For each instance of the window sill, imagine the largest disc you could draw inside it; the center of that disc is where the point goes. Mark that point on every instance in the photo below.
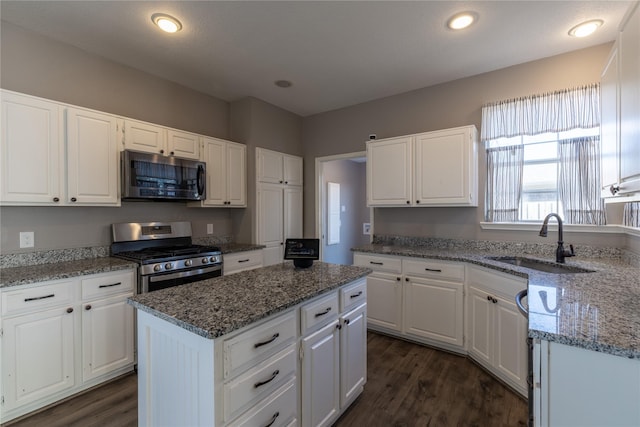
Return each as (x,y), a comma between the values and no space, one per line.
(572,228)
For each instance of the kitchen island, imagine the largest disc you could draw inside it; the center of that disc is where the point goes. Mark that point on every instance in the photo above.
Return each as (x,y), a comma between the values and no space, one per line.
(276,344)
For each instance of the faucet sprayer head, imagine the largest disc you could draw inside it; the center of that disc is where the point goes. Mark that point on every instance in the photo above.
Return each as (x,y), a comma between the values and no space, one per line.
(543,230)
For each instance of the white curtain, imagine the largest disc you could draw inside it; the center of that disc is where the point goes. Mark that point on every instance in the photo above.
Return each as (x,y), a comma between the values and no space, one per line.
(631,215)
(504,183)
(579,181)
(553,112)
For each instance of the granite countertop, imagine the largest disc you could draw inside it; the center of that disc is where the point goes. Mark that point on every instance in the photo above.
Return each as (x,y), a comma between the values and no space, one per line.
(215,307)
(597,311)
(15,276)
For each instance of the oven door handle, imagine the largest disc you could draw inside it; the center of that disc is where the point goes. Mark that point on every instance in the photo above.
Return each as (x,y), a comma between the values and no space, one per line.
(193,272)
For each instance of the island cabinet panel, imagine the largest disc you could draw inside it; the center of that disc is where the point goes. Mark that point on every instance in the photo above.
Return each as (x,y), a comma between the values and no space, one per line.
(300,367)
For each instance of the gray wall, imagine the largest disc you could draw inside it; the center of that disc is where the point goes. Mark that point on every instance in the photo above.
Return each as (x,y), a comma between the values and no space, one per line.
(352,179)
(259,124)
(447,105)
(43,67)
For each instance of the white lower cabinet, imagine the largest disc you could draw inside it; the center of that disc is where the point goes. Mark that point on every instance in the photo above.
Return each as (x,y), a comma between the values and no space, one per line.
(576,387)
(496,330)
(54,344)
(353,354)
(241,261)
(321,376)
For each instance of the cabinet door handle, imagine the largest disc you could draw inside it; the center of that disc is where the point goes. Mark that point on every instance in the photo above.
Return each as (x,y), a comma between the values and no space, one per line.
(408,202)
(39,298)
(435,270)
(109,286)
(338,326)
(73,199)
(488,297)
(406,279)
(614,189)
(269,341)
(56,199)
(161,151)
(69,310)
(493,300)
(356,295)
(418,201)
(243,260)
(172,153)
(322,313)
(87,307)
(398,279)
(273,377)
(273,419)
(376,263)
(347,321)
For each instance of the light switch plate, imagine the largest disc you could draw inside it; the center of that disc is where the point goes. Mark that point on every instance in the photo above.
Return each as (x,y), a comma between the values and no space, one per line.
(26,239)
(366,228)
(209,228)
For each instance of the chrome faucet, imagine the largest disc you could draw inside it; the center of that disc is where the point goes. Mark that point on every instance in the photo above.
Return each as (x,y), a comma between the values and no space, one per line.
(561,253)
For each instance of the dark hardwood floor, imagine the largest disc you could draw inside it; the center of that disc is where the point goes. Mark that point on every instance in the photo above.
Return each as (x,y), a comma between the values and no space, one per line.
(408,385)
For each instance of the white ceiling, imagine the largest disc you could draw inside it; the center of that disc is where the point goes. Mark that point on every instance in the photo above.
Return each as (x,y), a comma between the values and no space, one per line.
(336,53)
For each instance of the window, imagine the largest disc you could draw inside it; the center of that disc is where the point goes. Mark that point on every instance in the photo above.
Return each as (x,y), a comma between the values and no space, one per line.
(540,171)
(543,156)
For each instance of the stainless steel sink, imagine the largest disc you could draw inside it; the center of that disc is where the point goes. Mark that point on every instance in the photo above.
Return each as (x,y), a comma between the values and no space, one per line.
(538,265)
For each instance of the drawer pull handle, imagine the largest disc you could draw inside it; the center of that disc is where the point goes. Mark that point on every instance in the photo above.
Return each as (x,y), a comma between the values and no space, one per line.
(356,295)
(109,286)
(243,260)
(322,313)
(435,270)
(269,341)
(376,263)
(273,377)
(273,419)
(39,298)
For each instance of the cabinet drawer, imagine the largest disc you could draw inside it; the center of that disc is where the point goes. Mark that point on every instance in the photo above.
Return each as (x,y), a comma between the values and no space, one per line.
(36,298)
(259,381)
(353,294)
(433,269)
(279,409)
(107,284)
(318,312)
(380,263)
(234,263)
(251,346)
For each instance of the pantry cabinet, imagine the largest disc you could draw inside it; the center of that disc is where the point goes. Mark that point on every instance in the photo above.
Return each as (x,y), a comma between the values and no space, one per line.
(428,169)
(58,155)
(620,105)
(279,202)
(278,168)
(226,173)
(496,330)
(61,337)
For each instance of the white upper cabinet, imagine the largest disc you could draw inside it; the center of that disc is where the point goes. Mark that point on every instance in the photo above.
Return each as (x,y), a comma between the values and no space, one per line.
(32,150)
(183,144)
(44,165)
(446,167)
(151,138)
(389,172)
(620,127)
(92,158)
(278,168)
(429,169)
(226,173)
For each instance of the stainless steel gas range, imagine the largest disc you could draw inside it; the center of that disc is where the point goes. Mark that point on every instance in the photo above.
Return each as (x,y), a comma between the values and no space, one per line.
(165,254)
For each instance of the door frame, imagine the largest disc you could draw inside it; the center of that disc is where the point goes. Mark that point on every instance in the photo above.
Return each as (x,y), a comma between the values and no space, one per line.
(321,194)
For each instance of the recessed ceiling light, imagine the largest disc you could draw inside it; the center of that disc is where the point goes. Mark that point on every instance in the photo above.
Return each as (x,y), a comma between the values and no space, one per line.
(283,83)
(462,20)
(166,22)
(586,28)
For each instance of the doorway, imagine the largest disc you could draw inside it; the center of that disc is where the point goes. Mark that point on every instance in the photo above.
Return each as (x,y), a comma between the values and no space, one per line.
(343,220)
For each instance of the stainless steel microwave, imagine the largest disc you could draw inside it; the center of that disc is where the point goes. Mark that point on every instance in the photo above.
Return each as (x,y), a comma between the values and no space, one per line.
(157,177)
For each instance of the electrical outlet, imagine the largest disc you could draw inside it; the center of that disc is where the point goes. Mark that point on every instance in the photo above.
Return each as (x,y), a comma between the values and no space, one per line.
(209,228)
(26,239)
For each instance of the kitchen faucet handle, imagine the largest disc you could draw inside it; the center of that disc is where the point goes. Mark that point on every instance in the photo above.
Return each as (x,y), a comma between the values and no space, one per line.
(571,250)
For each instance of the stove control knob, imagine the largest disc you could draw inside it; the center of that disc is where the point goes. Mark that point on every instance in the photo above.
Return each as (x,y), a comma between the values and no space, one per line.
(188,263)
(205,260)
(157,267)
(213,259)
(168,266)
